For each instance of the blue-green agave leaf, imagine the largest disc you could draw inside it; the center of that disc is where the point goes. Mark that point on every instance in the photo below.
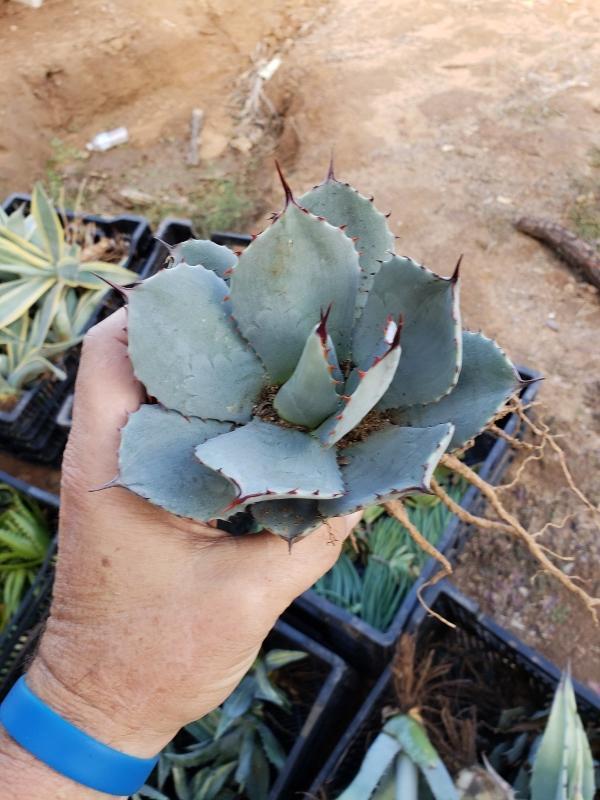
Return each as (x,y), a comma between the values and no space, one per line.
(290,519)
(414,741)
(376,763)
(264,461)
(563,766)
(216,257)
(392,462)
(311,394)
(184,347)
(368,388)
(342,205)
(487,379)
(156,461)
(431,333)
(291,271)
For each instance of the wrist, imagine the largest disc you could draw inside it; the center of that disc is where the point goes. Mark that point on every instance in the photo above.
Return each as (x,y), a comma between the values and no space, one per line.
(115,713)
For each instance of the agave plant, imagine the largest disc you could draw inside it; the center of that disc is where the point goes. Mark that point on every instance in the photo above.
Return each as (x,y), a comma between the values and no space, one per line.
(26,354)
(312,376)
(24,540)
(38,266)
(233,750)
(392,767)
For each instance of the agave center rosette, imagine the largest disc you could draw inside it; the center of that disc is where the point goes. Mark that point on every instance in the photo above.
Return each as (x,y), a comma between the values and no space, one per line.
(310,377)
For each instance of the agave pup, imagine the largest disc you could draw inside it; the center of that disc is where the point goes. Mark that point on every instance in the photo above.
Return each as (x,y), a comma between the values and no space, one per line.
(312,376)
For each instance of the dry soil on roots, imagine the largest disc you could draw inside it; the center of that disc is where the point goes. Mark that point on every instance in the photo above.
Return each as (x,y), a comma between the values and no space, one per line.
(459,115)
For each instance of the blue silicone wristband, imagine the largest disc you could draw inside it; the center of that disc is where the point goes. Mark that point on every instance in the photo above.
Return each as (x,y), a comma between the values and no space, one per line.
(69,751)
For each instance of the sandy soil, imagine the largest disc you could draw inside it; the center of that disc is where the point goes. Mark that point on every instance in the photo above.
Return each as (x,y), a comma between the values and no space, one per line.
(457,114)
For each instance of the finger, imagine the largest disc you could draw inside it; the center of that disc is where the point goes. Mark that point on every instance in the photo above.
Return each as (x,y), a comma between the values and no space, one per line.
(106,392)
(306,561)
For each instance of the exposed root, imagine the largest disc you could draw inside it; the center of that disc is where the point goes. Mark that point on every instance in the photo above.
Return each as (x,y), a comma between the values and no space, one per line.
(543,431)
(512,440)
(529,540)
(396,509)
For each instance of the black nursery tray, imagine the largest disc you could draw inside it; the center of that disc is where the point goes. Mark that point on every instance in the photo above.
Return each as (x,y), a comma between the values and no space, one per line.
(318,687)
(19,637)
(29,429)
(495,655)
(365,647)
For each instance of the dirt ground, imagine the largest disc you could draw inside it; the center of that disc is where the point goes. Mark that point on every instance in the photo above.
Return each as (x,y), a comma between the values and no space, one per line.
(458,115)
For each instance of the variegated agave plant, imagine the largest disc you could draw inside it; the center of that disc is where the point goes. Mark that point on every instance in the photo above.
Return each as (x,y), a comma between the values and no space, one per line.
(328,375)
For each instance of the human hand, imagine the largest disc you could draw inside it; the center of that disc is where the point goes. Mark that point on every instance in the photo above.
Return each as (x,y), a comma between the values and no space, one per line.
(155,618)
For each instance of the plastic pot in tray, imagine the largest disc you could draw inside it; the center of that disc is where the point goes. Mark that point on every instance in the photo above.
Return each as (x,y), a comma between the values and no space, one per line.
(364,646)
(499,659)
(172,231)
(20,635)
(28,430)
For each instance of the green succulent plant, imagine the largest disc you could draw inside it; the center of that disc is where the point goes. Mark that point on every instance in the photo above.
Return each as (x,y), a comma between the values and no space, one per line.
(24,540)
(373,582)
(25,355)
(38,266)
(312,376)
(400,756)
(234,750)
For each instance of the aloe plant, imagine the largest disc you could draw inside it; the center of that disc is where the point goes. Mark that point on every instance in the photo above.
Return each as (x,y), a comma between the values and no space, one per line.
(24,540)
(38,265)
(372,579)
(281,381)
(235,750)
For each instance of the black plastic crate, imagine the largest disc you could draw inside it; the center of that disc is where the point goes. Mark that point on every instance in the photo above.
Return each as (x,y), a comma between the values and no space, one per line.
(173,231)
(496,652)
(29,429)
(21,634)
(323,717)
(365,647)
(319,687)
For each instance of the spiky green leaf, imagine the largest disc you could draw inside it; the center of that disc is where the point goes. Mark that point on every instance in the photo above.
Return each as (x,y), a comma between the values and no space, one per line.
(370,386)
(185,349)
(216,257)
(293,270)
(290,519)
(431,333)
(392,462)
(265,461)
(310,394)
(341,204)
(156,461)
(487,379)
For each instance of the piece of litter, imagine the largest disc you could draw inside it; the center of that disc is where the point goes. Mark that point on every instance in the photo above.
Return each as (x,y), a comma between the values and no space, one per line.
(195,130)
(550,323)
(447,148)
(269,69)
(107,139)
(31,3)
(505,201)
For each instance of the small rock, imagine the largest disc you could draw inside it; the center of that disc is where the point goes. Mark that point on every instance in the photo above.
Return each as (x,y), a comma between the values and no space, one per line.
(516,623)
(554,326)
(447,148)
(504,201)
(130,197)
(242,144)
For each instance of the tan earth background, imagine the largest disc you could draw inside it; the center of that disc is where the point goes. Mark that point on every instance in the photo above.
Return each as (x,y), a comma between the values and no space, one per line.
(457,115)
